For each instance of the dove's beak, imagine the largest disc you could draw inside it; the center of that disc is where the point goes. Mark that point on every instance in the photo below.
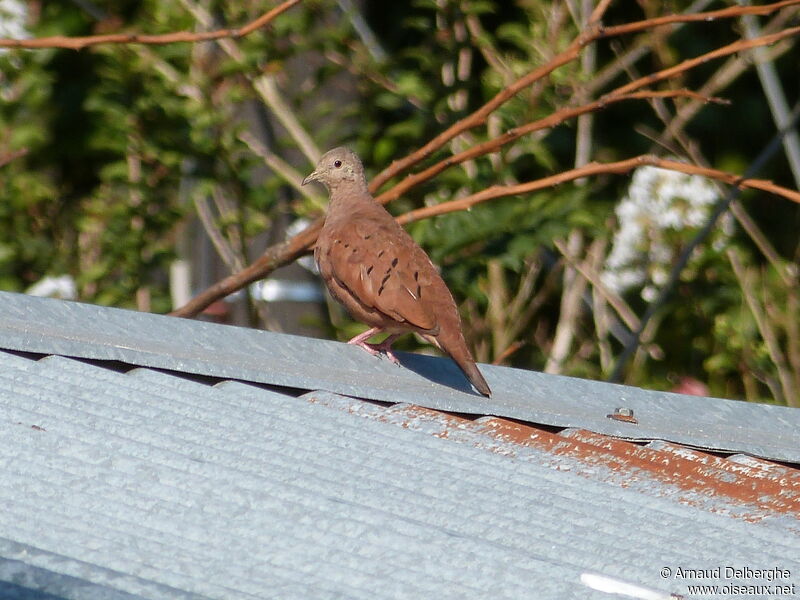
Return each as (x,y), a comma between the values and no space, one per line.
(313,176)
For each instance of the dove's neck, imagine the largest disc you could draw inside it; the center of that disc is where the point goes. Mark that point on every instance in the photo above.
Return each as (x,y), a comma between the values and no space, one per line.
(347,197)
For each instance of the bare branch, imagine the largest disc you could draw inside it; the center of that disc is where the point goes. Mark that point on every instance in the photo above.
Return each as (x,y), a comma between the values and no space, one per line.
(282,168)
(590,170)
(599,11)
(287,251)
(613,299)
(223,247)
(762,243)
(765,328)
(78,43)
(553,120)
(291,249)
(265,87)
(592,33)
(738,46)
(725,13)
(274,257)
(570,309)
(479,117)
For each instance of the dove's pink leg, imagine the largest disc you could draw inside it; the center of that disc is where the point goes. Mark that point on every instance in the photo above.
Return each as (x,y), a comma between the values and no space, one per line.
(385,346)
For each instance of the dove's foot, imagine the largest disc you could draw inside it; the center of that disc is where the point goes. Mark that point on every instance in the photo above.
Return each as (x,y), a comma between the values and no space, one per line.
(385,347)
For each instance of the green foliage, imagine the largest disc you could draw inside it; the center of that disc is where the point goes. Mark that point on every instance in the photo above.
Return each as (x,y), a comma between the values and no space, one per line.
(122,140)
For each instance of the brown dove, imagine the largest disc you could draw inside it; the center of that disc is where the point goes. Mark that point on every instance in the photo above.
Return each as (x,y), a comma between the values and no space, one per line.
(379,273)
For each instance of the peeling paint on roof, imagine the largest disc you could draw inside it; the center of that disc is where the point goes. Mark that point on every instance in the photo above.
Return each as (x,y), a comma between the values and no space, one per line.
(741,487)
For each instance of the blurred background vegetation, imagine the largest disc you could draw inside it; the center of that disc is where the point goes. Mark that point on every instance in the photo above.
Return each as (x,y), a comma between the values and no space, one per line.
(153,171)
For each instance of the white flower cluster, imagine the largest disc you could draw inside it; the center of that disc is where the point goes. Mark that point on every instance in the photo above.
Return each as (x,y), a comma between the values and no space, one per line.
(660,203)
(62,286)
(13,15)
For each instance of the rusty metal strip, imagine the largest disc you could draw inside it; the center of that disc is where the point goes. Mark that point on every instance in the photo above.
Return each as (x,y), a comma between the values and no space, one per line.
(680,469)
(698,474)
(747,466)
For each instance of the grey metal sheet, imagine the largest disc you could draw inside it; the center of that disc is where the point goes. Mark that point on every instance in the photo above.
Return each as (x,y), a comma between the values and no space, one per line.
(233,491)
(608,462)
(20,580)
(79,330)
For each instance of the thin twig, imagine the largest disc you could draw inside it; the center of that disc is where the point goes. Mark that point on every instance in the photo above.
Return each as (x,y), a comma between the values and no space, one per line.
(496,314)
(733,48)
(287,251)
(224,248)
(478,117)
(570,309)
(592,33)
(764,156)
(762,242)
(552,120)
(725,13)
(522,300)
(490,54)
(585,126)
(267,88)
(765,329)
(78,43)
(346,62)
(274,257)
(264,86)
(641,47)
(731,70)
(505,354)
(613,299)
(600,312)
(282,168)
(775,95)
(590,170)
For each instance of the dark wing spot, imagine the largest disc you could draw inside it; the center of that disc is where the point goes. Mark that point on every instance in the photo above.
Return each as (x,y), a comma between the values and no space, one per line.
(394,262)
(419,292)
(347,245)
(366,237)
(369,269)
(416,275)
(381,253)
(383,284)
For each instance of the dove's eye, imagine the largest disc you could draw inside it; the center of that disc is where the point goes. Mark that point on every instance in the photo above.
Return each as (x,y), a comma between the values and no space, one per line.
(337,163)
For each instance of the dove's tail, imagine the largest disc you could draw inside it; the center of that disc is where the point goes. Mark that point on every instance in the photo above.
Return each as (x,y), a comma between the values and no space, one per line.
(474,375)
(454,344)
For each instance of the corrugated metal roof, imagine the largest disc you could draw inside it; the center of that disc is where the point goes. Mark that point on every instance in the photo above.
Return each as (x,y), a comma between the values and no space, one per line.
(21,580)
(231,491)
(79,330)
(123,482)
(739,486)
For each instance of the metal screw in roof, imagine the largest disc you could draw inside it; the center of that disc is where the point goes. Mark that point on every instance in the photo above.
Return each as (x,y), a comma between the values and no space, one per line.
(623,413)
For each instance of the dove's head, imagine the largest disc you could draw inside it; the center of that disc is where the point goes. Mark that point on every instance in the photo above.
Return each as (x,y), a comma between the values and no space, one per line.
(337,167)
